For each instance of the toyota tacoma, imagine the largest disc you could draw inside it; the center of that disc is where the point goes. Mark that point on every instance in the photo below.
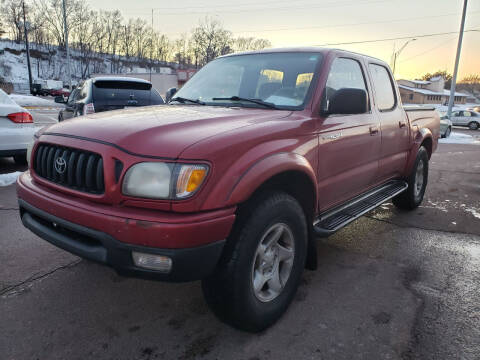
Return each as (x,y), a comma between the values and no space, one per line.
(257,156)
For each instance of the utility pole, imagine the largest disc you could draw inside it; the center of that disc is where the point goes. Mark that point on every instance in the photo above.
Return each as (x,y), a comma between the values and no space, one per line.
(457,60)
(25,26)
(69,75)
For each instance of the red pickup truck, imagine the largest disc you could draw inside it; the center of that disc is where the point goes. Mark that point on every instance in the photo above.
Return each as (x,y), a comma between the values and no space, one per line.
(254,158)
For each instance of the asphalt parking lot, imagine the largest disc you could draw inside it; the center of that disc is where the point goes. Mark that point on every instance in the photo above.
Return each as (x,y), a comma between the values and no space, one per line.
(392,285)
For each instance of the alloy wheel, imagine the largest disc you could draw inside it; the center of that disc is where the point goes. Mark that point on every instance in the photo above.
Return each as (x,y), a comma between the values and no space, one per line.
(273,262)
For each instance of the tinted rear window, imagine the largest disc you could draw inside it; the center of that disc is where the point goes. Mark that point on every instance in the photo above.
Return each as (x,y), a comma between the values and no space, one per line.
(115,84)
(125,93)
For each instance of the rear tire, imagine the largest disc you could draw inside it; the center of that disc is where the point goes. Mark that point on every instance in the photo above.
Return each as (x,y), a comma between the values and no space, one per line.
(258,276)
(473,125)
(20,159)
(417,183)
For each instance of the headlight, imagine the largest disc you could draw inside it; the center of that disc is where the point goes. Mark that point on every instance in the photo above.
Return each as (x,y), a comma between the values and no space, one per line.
(157,180)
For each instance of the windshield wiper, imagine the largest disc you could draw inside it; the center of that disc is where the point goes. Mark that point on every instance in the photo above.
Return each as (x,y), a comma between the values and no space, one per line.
(183,100)
(255,101)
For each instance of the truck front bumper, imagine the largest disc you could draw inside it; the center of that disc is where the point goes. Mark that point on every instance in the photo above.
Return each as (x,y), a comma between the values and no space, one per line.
(91,235)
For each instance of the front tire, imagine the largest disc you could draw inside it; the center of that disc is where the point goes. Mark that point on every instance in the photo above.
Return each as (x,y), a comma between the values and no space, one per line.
(262,264)
(417,183)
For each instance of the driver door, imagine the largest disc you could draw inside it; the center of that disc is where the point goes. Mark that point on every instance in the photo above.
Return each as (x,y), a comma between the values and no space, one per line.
(69,107)
(349,145)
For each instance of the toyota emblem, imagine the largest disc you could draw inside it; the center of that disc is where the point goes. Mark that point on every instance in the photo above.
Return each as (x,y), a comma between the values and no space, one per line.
(60,165)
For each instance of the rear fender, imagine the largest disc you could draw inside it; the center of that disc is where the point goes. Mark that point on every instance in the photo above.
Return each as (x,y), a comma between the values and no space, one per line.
(419,138)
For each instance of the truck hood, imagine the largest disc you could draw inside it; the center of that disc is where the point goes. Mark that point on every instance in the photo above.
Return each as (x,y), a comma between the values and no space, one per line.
(164,130)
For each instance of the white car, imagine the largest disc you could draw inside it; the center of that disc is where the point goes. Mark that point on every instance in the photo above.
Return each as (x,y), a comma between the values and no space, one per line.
(16,129)
(466,118)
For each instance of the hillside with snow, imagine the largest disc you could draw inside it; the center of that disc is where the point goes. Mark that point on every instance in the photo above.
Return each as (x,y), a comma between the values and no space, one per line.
(49,62)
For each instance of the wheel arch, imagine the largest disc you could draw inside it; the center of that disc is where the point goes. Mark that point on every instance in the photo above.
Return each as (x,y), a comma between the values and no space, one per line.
(278,173)
(423,138)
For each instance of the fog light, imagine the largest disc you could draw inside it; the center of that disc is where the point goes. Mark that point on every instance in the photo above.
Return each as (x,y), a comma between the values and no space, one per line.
(153,262)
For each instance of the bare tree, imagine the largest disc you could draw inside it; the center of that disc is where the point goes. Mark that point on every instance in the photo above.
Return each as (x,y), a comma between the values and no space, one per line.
(127,38)
(162,47)
(181,50)
(53,9)
(471,83)
(12,13)
(250,43)
(210,40)
(98,35)
(113,23)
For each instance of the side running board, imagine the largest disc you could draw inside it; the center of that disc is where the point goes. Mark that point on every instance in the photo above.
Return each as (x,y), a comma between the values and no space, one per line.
(335,219)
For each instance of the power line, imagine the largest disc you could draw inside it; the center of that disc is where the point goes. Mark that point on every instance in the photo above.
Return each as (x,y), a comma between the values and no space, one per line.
(289,8)
(353,24)
(397,38)
(235,5)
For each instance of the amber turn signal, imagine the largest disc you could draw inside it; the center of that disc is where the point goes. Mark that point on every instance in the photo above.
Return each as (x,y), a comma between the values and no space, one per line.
(189,179)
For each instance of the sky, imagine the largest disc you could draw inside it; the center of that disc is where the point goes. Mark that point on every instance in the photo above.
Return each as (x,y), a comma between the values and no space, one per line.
(330,22)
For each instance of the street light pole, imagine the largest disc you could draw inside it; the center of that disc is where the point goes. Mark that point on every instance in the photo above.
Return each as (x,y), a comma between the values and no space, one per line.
(397,54)
(151,48)
(69,75)
(25,26)
(457,60)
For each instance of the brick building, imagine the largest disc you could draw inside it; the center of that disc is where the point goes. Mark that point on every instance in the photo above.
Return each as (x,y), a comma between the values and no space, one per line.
(427,92)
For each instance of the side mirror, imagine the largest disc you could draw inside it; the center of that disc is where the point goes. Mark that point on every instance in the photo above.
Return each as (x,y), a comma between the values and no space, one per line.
(169,94)
(347,101)
(60,100)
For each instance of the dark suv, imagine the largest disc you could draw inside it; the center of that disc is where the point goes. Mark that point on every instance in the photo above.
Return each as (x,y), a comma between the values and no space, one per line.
(112,93)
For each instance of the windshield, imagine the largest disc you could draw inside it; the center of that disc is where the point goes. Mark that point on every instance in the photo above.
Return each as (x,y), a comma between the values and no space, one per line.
(281,79)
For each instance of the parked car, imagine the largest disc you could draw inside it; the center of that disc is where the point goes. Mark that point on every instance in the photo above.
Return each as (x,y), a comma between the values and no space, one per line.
(67,112)
(466,118)
(16,129)
(65,93)
(445,125)
(256,156)
(111,93)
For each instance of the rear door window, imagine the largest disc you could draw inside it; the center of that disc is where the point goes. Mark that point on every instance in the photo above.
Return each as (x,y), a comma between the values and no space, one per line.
(383,84)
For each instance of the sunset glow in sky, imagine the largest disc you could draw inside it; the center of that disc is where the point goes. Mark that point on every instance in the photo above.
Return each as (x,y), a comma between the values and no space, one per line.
(310,22)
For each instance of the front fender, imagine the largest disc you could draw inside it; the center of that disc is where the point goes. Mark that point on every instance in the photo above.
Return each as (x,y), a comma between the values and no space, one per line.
(261,171)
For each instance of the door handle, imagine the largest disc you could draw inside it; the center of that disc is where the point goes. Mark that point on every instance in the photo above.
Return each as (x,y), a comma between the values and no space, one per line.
(402,124)
(373,130)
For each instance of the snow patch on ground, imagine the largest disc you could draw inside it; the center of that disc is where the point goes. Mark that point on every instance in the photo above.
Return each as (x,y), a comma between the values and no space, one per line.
(10,178)
(459,138)
(28,100)
(474,212)
(445,205)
